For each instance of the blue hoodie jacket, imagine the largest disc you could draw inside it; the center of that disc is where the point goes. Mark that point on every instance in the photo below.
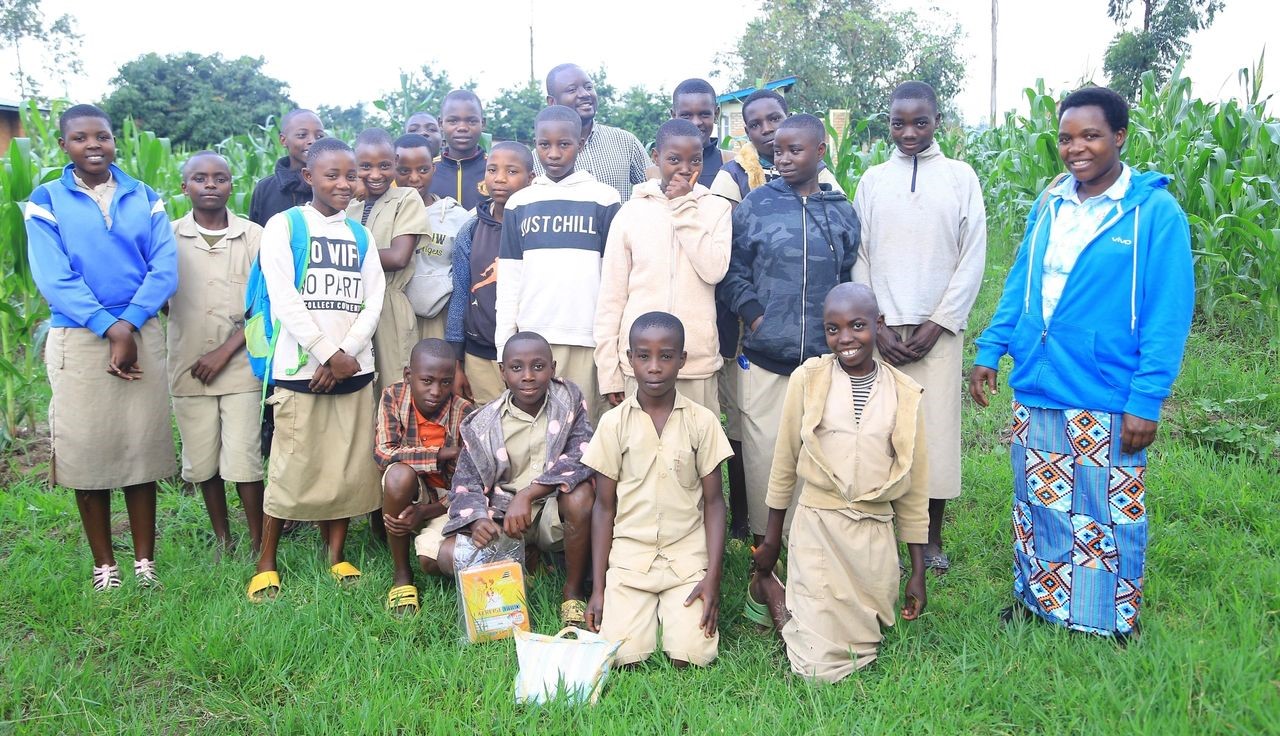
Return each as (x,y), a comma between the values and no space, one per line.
(93,275)
(1116,338)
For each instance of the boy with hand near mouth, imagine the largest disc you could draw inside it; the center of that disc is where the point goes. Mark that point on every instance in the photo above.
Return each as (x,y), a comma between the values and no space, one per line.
(461,163)
(216,397)
(285,187)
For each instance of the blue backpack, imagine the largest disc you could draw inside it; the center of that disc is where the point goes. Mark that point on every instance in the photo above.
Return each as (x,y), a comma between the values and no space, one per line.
(261,330)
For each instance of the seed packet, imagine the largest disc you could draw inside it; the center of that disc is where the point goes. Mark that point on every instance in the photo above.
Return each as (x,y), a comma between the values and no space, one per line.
(491,589)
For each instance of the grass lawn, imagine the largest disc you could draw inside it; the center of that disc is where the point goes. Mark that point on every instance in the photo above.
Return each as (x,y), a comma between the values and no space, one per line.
(196,657)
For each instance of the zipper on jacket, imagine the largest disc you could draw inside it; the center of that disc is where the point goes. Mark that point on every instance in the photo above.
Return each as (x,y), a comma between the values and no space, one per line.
(915,164)
(804,269)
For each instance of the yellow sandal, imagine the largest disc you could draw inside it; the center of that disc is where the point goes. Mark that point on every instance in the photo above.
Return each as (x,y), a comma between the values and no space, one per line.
(345,572)
(403,599)
(264,585)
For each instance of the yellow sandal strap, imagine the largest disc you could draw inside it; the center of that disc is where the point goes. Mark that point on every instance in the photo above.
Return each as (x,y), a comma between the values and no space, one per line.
(402,595)
(263,581)
(345,569)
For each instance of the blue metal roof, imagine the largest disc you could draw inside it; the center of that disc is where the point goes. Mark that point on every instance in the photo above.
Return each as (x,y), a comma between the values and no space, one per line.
(742,94)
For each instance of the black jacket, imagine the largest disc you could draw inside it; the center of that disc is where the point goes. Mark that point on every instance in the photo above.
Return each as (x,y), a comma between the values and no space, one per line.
(276,193)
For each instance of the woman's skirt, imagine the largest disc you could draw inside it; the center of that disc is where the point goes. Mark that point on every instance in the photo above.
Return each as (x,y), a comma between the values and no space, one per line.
(1079,519)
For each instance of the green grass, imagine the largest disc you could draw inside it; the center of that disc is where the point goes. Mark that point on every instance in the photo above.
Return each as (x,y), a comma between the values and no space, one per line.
(196,657)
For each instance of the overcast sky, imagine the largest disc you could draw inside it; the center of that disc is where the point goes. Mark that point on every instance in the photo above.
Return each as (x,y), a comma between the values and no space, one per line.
(328,54)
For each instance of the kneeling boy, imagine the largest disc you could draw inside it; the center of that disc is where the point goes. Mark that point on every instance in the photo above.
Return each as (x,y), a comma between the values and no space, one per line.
(417,446)
(521,473)
(659,520)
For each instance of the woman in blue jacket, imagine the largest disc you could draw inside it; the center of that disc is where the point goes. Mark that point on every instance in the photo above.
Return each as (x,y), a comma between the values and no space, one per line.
(1095,314)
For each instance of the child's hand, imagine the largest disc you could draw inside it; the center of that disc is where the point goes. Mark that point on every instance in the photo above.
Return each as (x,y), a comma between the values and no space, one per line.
(461,386)
(678,187)
(210,365)
(484,531)
(766,556)
(982,380)
(615,397)
(916,599)
(595,610)
(343,366)
(1136,433)
(448,454)
(407,521)
(519,515)
(323,381)
(894,350)
(709,591)
(123,360)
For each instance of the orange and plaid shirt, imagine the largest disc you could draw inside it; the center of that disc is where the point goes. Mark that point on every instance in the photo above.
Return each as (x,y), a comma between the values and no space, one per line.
(398,438)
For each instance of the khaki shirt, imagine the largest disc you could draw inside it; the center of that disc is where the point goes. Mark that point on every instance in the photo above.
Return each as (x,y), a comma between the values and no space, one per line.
(102,194)
(398,212)
(525,441)
(659,509)
(861,453)
(209,305)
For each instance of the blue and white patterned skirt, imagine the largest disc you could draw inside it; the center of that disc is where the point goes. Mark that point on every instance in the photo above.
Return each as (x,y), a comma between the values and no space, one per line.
(1079,519)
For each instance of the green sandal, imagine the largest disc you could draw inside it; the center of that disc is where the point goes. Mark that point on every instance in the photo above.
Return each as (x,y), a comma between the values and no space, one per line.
(755,611)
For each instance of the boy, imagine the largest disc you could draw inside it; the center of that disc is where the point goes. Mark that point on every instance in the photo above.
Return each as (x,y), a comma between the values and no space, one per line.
(612,155)
(285,188)
(432,282)
(695,100)
(425,125)
(102,254)
(793,240)
(461,163)
(853,430)
(521,473)
(472,317)
(924,252)
(321,466)
(216,397)
(552,242)
(398,221)
(668,248)
(416,447)
(657,538)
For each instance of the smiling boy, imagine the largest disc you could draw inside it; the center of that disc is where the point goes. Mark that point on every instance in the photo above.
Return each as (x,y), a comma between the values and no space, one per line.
(285,187)
(612,155)
(461,162)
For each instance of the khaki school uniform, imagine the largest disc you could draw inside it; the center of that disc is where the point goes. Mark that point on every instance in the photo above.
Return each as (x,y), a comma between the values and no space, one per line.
(485,377)
(219,422)
(701,391)
(659,551)
(525,442)
(398,212)
(578,364)
(860,477)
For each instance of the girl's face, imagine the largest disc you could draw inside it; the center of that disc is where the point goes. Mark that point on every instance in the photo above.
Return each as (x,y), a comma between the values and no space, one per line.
(1088,145)
(89,144)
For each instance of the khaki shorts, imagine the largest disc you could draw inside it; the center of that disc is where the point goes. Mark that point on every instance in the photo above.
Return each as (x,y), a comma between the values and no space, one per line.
(761,394)
(431,327)
(578,364)
(221,435)
(637,603)
(430,537)
(728,380)
(485,378)
(702,391)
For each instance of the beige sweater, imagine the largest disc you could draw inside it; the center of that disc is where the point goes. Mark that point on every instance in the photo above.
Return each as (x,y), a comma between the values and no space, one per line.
(663,255)
(895,484)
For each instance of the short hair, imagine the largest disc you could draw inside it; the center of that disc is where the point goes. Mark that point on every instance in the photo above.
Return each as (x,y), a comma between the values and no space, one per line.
(75,112)
(677,128)
(374,137)
(461,95)
(203,154)
(559,114)
(661,320)
(297,112)
(432,347)
(1114,106)
(808,123)
(519,149)
(915,90)
(854,292)
(555,71)
(764,94)
(326,145)
(416,140)
(692,87)
(525,336)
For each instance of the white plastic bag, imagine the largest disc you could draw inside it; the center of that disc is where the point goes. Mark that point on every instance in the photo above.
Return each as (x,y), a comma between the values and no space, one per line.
(557,667)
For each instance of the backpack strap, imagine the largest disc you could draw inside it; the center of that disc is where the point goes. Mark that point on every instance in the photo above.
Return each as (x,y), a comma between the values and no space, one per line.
(361,235)
(300,245)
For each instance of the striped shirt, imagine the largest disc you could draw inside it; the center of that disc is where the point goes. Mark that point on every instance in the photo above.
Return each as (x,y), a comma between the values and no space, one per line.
(612,155)
(861,387)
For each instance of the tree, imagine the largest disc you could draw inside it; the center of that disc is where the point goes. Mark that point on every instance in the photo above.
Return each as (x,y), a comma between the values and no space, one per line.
(510,115)
(195,100)
(23,20)
(352,119)
(419,91)
(846,53)
(639,111)
(1159,45)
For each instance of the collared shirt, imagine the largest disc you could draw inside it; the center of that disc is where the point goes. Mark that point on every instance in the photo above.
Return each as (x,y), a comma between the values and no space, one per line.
(659,496)
(612,155)
(396,436)
(1074,226)
(102,194)
(208,306)
(525,441)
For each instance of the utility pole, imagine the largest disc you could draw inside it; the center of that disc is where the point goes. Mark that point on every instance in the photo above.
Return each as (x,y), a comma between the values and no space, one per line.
(532,77)
(995,18)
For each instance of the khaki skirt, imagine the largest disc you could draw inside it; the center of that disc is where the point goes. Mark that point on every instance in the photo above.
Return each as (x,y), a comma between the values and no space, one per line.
(321,464)
(107,432)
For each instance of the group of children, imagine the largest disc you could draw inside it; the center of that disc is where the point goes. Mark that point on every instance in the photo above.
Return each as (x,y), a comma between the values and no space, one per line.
(576,401)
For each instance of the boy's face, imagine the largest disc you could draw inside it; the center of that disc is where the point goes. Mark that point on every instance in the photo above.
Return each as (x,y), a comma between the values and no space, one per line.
(557,145)
(462,122)
(656,356)
(207,183)
(430,381)
(912,124)
(797,154)
(425,125)
(679,156)
(332,178)
(527,369)
(375,165)
(762,120)
(850,325)
(89,144)
(1087,144)
(574,89)
(415,169)
(699,109)
(504,175)
(303,130)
